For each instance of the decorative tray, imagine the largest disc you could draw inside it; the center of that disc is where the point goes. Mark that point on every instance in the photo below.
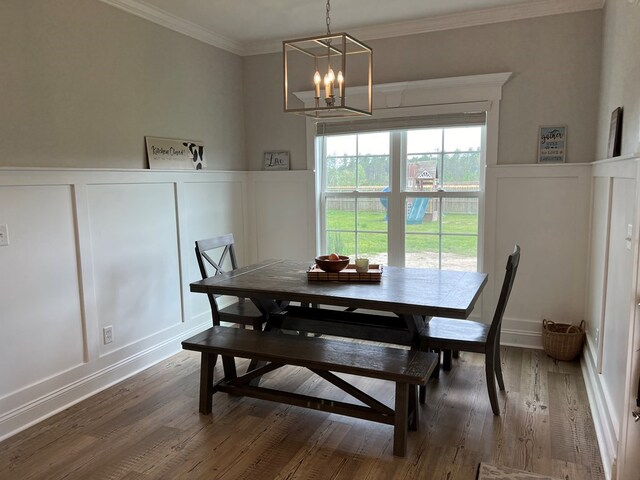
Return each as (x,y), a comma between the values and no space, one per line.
(349,274)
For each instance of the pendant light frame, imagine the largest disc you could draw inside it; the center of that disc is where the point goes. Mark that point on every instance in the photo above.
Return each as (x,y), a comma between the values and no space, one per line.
(334,51)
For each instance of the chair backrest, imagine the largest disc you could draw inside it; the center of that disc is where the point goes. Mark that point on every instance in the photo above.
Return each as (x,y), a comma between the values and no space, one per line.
(214,252)
(507,284)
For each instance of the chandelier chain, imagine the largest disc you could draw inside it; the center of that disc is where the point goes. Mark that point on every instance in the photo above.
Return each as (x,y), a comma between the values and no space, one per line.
(328,17)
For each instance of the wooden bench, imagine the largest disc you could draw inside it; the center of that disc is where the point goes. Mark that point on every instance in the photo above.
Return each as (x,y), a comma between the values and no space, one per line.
(407,368)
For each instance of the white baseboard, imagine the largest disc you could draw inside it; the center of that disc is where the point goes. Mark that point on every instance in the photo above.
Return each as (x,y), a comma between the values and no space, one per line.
(602,421)
(519,338)
(517,332)
(44,407)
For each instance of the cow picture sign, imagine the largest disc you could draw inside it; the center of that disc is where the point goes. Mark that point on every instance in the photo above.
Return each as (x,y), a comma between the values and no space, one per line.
(175,154)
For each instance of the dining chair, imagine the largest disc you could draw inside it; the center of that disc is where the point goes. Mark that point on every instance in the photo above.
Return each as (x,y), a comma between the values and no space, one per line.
(448,334)
(215,256)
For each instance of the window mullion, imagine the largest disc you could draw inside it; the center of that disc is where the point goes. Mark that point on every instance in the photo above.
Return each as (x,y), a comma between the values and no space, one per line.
(395,226)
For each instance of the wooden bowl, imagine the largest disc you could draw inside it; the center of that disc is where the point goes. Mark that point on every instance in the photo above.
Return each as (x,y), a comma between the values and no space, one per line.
(332,266)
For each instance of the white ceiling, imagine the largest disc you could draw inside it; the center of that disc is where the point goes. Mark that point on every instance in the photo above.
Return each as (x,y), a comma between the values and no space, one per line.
(249,27)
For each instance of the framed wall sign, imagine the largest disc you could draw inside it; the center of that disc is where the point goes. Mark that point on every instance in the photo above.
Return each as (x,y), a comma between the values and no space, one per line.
(276,160)
(552,144)
(615,134)
(174,154)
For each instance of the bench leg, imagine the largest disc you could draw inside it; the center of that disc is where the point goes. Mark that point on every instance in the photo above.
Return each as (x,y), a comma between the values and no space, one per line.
(414,411)
(207,362)
(401,418)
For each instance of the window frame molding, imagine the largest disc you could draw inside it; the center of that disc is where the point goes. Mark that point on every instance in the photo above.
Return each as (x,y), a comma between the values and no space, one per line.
(422,97)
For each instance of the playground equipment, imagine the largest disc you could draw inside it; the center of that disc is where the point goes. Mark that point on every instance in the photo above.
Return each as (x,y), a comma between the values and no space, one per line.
(416,214)
(418,209)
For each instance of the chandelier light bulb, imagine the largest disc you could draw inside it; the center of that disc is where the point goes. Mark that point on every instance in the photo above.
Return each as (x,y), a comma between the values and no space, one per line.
(316,81)
(328,86)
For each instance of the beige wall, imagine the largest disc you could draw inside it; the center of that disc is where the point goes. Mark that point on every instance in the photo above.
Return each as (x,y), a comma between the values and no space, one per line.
(556,65)
(82,83)
(620,75)
(267,126)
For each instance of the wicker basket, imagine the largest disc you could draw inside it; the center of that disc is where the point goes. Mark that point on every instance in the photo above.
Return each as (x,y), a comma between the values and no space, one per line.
(561,340)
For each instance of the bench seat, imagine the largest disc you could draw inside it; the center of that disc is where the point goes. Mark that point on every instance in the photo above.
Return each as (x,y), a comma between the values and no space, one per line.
(407,368)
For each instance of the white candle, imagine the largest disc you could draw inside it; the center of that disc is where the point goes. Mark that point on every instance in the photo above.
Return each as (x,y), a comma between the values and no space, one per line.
(316,81)
(328,86)
(340,83)
(362,265)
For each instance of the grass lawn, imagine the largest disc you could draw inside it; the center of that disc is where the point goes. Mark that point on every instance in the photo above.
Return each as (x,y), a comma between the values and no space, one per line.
(420,238)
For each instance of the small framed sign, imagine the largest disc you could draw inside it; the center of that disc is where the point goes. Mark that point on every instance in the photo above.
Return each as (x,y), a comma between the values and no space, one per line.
(552,144)
(173,154)
(276,160)
(615,133)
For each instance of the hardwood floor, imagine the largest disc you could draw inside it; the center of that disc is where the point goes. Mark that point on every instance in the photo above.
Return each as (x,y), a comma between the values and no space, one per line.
(148,427)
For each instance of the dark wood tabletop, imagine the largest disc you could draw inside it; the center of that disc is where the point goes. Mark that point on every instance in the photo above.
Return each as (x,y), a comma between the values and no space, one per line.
(404,291)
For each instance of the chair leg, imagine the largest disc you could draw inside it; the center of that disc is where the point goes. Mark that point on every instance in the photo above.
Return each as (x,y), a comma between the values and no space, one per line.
(446,360)
(422,389)
(498,367)
(436,371)
(489,363)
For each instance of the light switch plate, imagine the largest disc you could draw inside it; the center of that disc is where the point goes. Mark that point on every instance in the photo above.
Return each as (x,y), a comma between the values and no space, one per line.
(4,235)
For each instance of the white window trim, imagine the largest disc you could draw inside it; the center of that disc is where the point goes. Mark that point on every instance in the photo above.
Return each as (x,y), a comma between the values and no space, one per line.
(425,97)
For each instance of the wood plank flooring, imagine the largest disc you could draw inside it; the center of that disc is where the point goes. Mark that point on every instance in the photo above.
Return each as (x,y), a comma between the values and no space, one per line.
(148,427)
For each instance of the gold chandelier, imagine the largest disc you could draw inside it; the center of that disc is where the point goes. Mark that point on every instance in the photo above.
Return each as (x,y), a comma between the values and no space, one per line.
(312,61)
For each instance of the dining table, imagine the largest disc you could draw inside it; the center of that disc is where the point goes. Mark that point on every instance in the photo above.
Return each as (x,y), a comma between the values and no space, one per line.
(392,310)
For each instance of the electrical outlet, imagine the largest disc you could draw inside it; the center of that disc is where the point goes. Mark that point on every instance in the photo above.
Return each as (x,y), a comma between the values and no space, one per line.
(4,235)
(629,236)
(107,334)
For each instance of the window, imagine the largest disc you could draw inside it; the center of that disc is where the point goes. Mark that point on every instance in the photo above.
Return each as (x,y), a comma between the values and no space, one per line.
(356,170)
(443,164)
(404,196)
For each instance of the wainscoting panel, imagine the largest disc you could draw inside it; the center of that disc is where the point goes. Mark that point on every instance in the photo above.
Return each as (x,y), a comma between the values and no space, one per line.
(544,209)
(211,209)
(599,255)
(618,296)
(135,259)
(284,214)
(92,248)
(610,305)
(40,313)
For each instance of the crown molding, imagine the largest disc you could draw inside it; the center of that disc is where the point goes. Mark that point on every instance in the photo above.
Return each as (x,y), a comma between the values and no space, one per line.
(177,24)
(531,9)
(541,8)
